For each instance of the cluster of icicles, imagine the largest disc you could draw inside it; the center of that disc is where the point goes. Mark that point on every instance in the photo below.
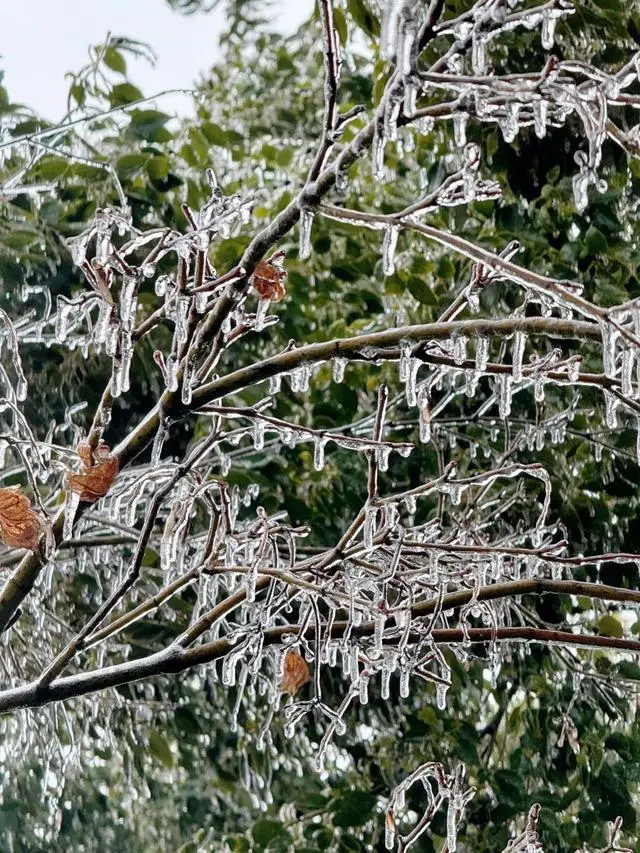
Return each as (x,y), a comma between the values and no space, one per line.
(370,606)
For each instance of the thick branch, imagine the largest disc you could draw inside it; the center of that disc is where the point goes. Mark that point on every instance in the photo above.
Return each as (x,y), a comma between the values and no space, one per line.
(175,660)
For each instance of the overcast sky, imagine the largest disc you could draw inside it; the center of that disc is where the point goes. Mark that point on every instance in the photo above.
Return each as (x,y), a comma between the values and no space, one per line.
(40,40)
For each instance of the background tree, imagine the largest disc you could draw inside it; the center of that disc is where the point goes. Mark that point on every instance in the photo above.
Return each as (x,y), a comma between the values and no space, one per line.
(533,723)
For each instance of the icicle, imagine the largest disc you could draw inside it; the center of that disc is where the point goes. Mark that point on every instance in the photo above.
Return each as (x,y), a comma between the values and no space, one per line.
(581,183)
(504,395)
(275,383)
(342,181)
(459,349)
(363,689)
(424,416)
(410,388)
(258,434)
(158,442)
(391,115)
(251,579)
(405,676)
(441,696)
(382,458)
(638,439)
(573,369)
(389,243)
(300,377)
(377,155)
(540,110)
(627,371)
(405,361)
(410,98)
(161,285)
(389,35)
(261,314)
(201,301)
(451,828)
(460,129)
(338,367)
(509,125)
(369,526)
(318,453)
(385,682)
(65,310)
(549,21)
(411,504)
(482,353)
(171,368)
(183,304)
(478,54)
(71,506)
(609,339)
(519,340)
(187,380)
(306,221)
(610,410)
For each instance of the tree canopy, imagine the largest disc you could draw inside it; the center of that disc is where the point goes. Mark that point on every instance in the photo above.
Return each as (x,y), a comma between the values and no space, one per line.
(319,439)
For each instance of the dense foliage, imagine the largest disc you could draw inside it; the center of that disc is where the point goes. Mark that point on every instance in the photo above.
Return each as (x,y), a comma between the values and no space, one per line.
(182,761)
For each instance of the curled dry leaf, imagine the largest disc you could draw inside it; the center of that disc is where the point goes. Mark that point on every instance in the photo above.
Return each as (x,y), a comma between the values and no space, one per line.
(296,673)
(269,277)
(20,526)
(100,470)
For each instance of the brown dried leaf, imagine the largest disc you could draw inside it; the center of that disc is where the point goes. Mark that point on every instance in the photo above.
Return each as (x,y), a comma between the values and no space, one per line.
(100,470)
(20,526)
(296,673)
(269,277)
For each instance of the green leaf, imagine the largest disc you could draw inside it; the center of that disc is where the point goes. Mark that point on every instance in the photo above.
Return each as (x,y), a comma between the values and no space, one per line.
(265,831)
(130,164)
(354,808)
(595,241)
(114,60)
(340,24)
(214,133)
(78,93)
(364,17)
(610,626)
(629,669)
(146,123)
(124,93)
(158,167)
(160,748)
(187,721)
(421,290)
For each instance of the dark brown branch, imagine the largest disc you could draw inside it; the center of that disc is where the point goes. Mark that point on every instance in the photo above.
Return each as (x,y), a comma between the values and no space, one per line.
(174,659)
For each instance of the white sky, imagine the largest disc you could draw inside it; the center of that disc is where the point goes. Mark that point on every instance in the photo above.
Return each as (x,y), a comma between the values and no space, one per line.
(40,40)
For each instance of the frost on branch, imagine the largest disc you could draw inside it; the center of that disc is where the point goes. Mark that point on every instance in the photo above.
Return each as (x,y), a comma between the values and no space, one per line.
(454,525)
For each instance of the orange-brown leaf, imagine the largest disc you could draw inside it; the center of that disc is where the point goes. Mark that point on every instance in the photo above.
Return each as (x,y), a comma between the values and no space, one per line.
(100,470)
(20,526)
(269,277)
(296,673)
